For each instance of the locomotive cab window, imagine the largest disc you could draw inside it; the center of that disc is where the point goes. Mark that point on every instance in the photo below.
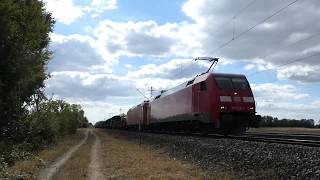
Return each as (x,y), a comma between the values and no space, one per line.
(232,83)
(224,82)
(203,86)
(240,84)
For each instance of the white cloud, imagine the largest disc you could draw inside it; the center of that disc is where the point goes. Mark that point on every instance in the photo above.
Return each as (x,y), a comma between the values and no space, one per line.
(284,101)
(274,92)
(76,53)
(146,38)
(173,69)
(296,36)
(249,66)
(86,86)
(101,5)
(301,73)
(274,38)
(129,66)
(291,110)
(265,47)
(64,11)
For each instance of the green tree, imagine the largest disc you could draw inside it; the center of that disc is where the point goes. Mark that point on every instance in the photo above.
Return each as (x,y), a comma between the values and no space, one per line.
(53,119)
(24,38)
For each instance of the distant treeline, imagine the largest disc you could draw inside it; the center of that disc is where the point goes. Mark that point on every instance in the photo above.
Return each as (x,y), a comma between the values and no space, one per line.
(269,121)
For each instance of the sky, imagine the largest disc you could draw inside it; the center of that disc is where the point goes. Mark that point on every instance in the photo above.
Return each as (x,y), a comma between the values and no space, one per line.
(104,50)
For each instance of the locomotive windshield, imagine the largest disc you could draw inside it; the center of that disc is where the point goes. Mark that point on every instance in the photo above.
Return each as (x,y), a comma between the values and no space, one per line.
(232,83)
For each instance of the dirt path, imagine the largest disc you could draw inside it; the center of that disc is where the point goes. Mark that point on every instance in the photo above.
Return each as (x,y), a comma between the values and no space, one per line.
(48,172)
(95,162)
(110,155)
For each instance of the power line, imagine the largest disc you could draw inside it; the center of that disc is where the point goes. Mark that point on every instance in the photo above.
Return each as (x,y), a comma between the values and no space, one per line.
(232,19)
(302,40)
(239,12)
(142,93)
(291,62)
(254,26)
(235,16)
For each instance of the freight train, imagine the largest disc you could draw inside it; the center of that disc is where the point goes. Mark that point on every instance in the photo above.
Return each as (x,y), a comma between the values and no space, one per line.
(208,103)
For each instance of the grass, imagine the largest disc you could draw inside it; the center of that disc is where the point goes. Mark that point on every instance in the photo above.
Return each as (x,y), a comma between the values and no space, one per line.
(77,166)
(30,167)
(289,130)
(119,157)
(124,159)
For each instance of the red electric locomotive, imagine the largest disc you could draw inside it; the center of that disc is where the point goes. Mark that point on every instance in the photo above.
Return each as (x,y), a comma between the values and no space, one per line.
(211,102)
(139,116)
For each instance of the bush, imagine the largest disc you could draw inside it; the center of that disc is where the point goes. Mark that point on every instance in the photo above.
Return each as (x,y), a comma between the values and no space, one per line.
(54,119)
(269,121)
(42,126)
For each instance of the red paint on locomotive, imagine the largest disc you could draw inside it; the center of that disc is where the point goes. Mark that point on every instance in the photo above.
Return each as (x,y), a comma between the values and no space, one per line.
(139,115)
(215,101)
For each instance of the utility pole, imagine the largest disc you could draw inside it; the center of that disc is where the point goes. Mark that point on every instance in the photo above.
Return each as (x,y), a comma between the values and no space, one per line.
(151,92)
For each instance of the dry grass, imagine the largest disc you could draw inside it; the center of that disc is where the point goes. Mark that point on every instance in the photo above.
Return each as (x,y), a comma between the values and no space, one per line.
(120,159)
(77,166)
(289,130)
(124,159)
(30,167)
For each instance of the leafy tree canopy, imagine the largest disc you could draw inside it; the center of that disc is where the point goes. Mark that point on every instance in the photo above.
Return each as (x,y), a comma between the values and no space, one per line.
(24,38)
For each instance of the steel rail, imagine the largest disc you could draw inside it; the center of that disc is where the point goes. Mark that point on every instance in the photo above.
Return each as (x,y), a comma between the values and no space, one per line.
(310,143)
(278,138)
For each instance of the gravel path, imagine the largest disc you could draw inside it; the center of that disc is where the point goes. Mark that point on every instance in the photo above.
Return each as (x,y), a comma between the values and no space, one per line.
(95,164)
(250,160)
(48,172)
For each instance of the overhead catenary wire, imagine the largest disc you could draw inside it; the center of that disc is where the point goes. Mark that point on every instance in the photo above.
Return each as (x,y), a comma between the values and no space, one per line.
(294,43)
(291,62)
(239,12)
(142,94)
(253,27)
(234,17)
(294,61)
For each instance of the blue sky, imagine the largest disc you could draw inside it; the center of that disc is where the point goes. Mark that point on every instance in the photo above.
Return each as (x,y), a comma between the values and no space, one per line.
(105,49)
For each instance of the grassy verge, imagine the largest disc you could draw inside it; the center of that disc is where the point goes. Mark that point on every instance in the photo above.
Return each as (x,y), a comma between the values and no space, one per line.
(77,166)
(289,130)
(29,168)
(124,159)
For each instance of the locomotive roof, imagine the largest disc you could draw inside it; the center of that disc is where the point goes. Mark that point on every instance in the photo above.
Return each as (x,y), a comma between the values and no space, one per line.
(141,104)
(196,80)
(228,75)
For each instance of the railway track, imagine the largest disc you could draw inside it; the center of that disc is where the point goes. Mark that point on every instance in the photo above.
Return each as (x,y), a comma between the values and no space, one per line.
(286,135)
(310,140)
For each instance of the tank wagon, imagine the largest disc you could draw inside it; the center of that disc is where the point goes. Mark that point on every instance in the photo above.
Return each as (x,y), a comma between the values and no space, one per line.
(211,102)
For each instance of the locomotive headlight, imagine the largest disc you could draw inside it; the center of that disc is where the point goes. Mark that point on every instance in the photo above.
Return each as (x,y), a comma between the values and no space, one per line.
(223,107)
